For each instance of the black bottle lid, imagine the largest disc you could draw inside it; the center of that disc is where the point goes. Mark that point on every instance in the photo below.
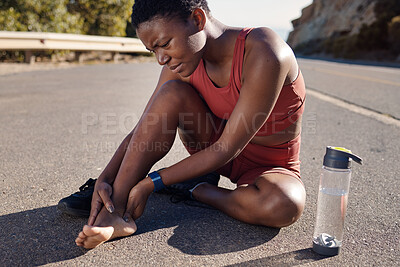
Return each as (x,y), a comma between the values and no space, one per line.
(339,158)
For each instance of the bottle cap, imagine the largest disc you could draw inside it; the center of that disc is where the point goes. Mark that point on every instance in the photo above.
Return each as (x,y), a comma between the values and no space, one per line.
(339,158)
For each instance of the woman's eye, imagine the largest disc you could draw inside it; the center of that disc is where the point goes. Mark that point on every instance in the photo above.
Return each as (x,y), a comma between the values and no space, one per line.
(166,44)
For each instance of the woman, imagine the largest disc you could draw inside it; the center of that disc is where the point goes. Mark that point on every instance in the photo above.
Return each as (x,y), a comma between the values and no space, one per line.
(236,98)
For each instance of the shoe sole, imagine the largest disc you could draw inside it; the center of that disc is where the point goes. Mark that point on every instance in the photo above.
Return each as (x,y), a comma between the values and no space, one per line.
(63,207)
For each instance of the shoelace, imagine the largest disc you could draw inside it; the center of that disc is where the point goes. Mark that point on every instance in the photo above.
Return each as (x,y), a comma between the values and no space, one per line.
(86,186)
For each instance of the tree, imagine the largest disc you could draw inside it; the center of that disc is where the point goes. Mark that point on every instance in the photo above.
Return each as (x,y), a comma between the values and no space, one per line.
(103,17)
(38,16)
(100,17)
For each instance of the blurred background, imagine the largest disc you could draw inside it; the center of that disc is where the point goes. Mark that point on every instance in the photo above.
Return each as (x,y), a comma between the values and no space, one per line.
(350,29)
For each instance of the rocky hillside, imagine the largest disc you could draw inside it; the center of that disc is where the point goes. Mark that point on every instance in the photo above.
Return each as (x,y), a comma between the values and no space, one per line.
(348,28)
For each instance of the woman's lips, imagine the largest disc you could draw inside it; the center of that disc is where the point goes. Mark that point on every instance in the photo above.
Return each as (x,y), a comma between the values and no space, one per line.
(176,68)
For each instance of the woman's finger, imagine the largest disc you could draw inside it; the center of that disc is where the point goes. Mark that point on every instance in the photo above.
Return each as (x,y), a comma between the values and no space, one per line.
(106,198)
(94,211)
(130,208)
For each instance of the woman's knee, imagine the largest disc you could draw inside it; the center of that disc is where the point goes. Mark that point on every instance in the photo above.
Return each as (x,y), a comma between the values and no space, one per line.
(195,121)
(176,91)
(281,204)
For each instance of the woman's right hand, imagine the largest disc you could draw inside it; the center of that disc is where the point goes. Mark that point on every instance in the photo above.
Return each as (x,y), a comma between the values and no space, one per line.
(101,196)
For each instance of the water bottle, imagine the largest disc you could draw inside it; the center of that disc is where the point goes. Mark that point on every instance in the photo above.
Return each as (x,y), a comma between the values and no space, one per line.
(332,200)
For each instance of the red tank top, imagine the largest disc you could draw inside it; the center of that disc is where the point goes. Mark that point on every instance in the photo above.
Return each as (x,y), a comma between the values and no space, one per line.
(222,100)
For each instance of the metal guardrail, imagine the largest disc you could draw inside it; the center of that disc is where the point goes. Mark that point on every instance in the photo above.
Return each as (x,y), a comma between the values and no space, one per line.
(40,41)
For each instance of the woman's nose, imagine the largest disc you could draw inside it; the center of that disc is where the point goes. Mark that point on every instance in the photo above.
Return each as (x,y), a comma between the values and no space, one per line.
(162,57)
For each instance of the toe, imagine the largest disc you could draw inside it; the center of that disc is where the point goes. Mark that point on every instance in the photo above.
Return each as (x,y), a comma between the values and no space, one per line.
(82,235)
(80,239)
(96,235)
(79,242)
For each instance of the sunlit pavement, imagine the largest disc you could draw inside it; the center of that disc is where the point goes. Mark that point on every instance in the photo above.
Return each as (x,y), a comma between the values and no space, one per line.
(60,127)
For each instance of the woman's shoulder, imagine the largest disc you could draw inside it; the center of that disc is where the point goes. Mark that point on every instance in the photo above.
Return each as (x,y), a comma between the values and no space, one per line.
(264,35)
(266,46)
(264,40)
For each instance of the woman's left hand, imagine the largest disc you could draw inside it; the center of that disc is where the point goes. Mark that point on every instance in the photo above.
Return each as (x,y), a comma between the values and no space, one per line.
(137,199)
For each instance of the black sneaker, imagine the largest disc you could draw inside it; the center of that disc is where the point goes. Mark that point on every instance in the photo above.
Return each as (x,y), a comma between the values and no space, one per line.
(183,191)
(79,203)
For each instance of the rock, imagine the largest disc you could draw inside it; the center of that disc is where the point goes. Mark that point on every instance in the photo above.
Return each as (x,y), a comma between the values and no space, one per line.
(325,18)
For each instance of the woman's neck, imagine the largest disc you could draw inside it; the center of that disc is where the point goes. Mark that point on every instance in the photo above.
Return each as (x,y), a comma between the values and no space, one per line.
(217,41)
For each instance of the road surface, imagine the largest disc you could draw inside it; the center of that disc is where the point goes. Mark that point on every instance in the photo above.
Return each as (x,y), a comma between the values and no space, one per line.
(60,127)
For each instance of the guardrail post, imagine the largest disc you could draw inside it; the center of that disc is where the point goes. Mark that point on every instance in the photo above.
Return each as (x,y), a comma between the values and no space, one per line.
(115,57)
(79,57)
(29,57)
(54,58)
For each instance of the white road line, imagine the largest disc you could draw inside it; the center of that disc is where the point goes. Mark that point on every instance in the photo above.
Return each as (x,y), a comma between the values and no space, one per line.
(354,108)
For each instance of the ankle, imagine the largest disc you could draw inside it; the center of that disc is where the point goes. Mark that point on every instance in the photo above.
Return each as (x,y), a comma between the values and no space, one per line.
(119,212)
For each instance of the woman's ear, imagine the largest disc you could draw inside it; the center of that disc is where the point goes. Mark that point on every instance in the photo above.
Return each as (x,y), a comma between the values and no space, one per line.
(200,18)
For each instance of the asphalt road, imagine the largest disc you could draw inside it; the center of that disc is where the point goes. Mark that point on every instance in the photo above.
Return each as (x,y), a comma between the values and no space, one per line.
(60,127)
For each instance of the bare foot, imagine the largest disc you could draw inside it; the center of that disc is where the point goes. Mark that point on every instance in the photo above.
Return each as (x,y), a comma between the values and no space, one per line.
(107,227)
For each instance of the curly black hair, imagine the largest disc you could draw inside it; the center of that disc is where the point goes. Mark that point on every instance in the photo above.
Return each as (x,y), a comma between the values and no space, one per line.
(145,10)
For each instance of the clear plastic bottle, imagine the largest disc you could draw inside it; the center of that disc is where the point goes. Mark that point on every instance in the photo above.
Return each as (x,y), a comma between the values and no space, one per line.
(332,200)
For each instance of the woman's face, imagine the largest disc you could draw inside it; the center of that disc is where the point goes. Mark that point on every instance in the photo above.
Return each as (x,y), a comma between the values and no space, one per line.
(177,43)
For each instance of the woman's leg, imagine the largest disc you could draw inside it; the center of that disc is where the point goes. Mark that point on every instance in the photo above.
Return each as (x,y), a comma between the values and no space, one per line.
(275,200)
(177,105)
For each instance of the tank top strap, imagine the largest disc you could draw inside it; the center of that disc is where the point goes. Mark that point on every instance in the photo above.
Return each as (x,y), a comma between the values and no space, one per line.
(238,57)
(243,33)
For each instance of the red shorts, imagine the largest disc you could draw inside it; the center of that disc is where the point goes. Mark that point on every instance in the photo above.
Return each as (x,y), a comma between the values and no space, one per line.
(255,160)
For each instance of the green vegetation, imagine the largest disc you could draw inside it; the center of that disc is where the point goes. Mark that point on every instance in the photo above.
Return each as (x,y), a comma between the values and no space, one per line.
(99,17)
(102,17)
(38,16)
(377,41)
